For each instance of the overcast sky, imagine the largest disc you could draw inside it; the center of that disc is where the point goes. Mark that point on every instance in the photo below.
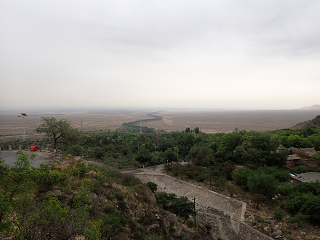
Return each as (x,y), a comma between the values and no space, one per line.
(244,54)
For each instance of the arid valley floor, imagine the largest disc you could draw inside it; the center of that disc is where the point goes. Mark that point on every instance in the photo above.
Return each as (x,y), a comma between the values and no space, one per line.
(207,121)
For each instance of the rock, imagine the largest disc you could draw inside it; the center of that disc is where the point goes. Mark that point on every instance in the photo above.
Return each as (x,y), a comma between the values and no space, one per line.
(277,233)
(170,221)
(93,195)
(143,190)
(102,214)
(152,226)
(202,228)
(56,192)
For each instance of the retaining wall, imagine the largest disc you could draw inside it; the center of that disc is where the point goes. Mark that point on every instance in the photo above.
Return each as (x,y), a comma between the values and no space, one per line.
(226,215)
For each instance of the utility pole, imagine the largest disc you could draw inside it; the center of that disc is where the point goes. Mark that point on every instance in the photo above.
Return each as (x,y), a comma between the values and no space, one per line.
(24,131)
(194,210)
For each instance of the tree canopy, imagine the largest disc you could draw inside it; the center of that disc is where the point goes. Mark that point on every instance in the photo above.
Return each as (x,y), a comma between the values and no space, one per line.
(57,129)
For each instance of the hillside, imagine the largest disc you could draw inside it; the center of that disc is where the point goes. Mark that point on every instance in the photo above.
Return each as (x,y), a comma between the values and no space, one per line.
(315,123)
(88,202)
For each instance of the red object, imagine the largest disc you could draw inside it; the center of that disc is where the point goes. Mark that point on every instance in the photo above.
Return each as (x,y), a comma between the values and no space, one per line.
(33,148)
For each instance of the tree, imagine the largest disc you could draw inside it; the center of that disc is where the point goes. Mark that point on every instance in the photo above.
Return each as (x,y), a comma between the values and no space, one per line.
(180,206)
(57,129)
(263,184)
(200,155)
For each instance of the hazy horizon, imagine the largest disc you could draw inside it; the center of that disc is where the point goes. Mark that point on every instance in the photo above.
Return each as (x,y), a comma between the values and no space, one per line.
(220,55)
(146,110)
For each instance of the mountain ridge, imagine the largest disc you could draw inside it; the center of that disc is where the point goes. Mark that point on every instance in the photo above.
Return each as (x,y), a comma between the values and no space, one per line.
(314,123)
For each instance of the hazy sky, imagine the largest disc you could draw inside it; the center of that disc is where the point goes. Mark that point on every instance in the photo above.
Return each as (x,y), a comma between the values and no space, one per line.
(245,54)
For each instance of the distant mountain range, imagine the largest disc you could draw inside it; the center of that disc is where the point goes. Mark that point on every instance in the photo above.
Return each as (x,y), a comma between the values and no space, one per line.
(315,123)
(316,106)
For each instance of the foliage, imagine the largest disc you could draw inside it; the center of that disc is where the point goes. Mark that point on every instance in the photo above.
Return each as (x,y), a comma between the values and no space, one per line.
(200,155)
(190,223)
(153,187)
(299,218)
(312,208)
(112,224)
(23,159)
(57,129)
(180,206)
(262,184)
(278,214)
(76,150)
(48,219)
(241,175)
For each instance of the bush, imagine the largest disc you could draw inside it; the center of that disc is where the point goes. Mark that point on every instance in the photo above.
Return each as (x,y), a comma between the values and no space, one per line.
(286,189)
(278,214)
(180,206)
(296,201)
(99,153)
(190,223)
(312,207)
(263,184)
(76,150)
(153,187)
(299,218)
(208,226)
(240,176)
(112,224)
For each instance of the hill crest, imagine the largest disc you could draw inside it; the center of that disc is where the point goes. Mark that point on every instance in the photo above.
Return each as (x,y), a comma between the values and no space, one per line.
(314,123)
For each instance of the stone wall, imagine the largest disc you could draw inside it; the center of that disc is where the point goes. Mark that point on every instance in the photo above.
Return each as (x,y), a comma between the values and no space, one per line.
(226,215)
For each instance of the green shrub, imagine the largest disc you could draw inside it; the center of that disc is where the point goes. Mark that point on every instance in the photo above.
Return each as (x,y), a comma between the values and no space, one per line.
(180,206)
(190,223)
(240,176)
(112,224)
(76,150)
(299,218)
(312,207)
(278,214)
(263,184)
(153,187)
(286,189)
(99,153)
(208,226)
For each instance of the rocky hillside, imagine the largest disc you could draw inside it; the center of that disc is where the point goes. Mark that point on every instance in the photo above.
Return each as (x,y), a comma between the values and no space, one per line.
(88,202)
(315,123)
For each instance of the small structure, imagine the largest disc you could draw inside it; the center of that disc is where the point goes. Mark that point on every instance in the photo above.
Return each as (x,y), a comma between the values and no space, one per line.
(292,160)
(304,153)
(305,177)
(10,148)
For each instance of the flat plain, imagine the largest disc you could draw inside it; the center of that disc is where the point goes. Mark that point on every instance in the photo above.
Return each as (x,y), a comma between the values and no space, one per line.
(227,121)
(207,121)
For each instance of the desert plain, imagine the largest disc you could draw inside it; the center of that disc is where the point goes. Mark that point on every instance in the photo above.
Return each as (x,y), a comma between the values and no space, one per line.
(208,121)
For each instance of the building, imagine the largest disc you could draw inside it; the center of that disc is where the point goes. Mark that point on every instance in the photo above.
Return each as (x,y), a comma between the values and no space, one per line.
(305,177)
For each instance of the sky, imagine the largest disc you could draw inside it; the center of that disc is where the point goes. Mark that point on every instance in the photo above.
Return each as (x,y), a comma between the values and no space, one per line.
(231,54)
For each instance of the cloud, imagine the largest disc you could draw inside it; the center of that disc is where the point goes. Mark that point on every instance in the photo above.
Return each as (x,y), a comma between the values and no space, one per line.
(159,53)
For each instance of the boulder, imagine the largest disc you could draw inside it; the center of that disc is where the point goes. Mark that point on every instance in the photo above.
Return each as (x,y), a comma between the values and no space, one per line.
(56,192)
(145,191)
(171,223)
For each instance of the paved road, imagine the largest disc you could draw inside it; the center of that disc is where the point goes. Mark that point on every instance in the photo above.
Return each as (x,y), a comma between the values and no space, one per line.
(10,158)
